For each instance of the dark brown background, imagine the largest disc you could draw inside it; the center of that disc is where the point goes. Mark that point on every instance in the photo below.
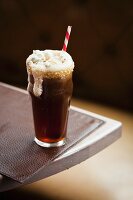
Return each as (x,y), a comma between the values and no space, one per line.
(101,43)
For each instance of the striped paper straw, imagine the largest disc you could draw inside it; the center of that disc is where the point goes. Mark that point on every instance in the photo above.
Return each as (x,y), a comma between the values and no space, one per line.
(67,38)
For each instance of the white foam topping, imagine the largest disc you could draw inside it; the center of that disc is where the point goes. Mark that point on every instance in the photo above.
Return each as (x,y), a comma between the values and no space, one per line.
(41,62)
(49,61)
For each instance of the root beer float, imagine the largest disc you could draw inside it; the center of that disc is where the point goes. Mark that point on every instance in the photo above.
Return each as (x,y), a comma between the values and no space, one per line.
(50,87)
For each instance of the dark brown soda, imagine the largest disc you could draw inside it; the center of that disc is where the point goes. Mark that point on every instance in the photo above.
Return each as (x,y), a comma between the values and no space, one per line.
(50,110)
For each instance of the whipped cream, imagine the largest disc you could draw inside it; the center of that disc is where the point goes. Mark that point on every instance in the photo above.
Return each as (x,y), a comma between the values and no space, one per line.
(45,62)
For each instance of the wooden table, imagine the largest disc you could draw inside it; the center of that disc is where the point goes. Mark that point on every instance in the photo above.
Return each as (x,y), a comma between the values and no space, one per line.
(102,137)
(107,175)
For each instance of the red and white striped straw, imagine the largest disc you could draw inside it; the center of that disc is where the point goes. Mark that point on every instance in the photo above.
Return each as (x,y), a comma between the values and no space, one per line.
(67,38)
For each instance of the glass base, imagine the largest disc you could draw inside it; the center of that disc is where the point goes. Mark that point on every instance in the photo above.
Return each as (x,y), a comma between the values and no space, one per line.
(45,144)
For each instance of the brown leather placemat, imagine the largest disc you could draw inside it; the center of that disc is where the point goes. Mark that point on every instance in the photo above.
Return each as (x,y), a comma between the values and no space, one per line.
(20,156)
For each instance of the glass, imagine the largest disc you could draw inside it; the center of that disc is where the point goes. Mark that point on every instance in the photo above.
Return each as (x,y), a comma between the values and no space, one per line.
(51,109)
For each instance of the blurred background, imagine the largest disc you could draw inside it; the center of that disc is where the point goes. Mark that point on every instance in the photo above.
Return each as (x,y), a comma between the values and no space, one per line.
(101,45)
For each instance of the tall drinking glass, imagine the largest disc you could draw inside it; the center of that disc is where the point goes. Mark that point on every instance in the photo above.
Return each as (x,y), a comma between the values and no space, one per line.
(50,92)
